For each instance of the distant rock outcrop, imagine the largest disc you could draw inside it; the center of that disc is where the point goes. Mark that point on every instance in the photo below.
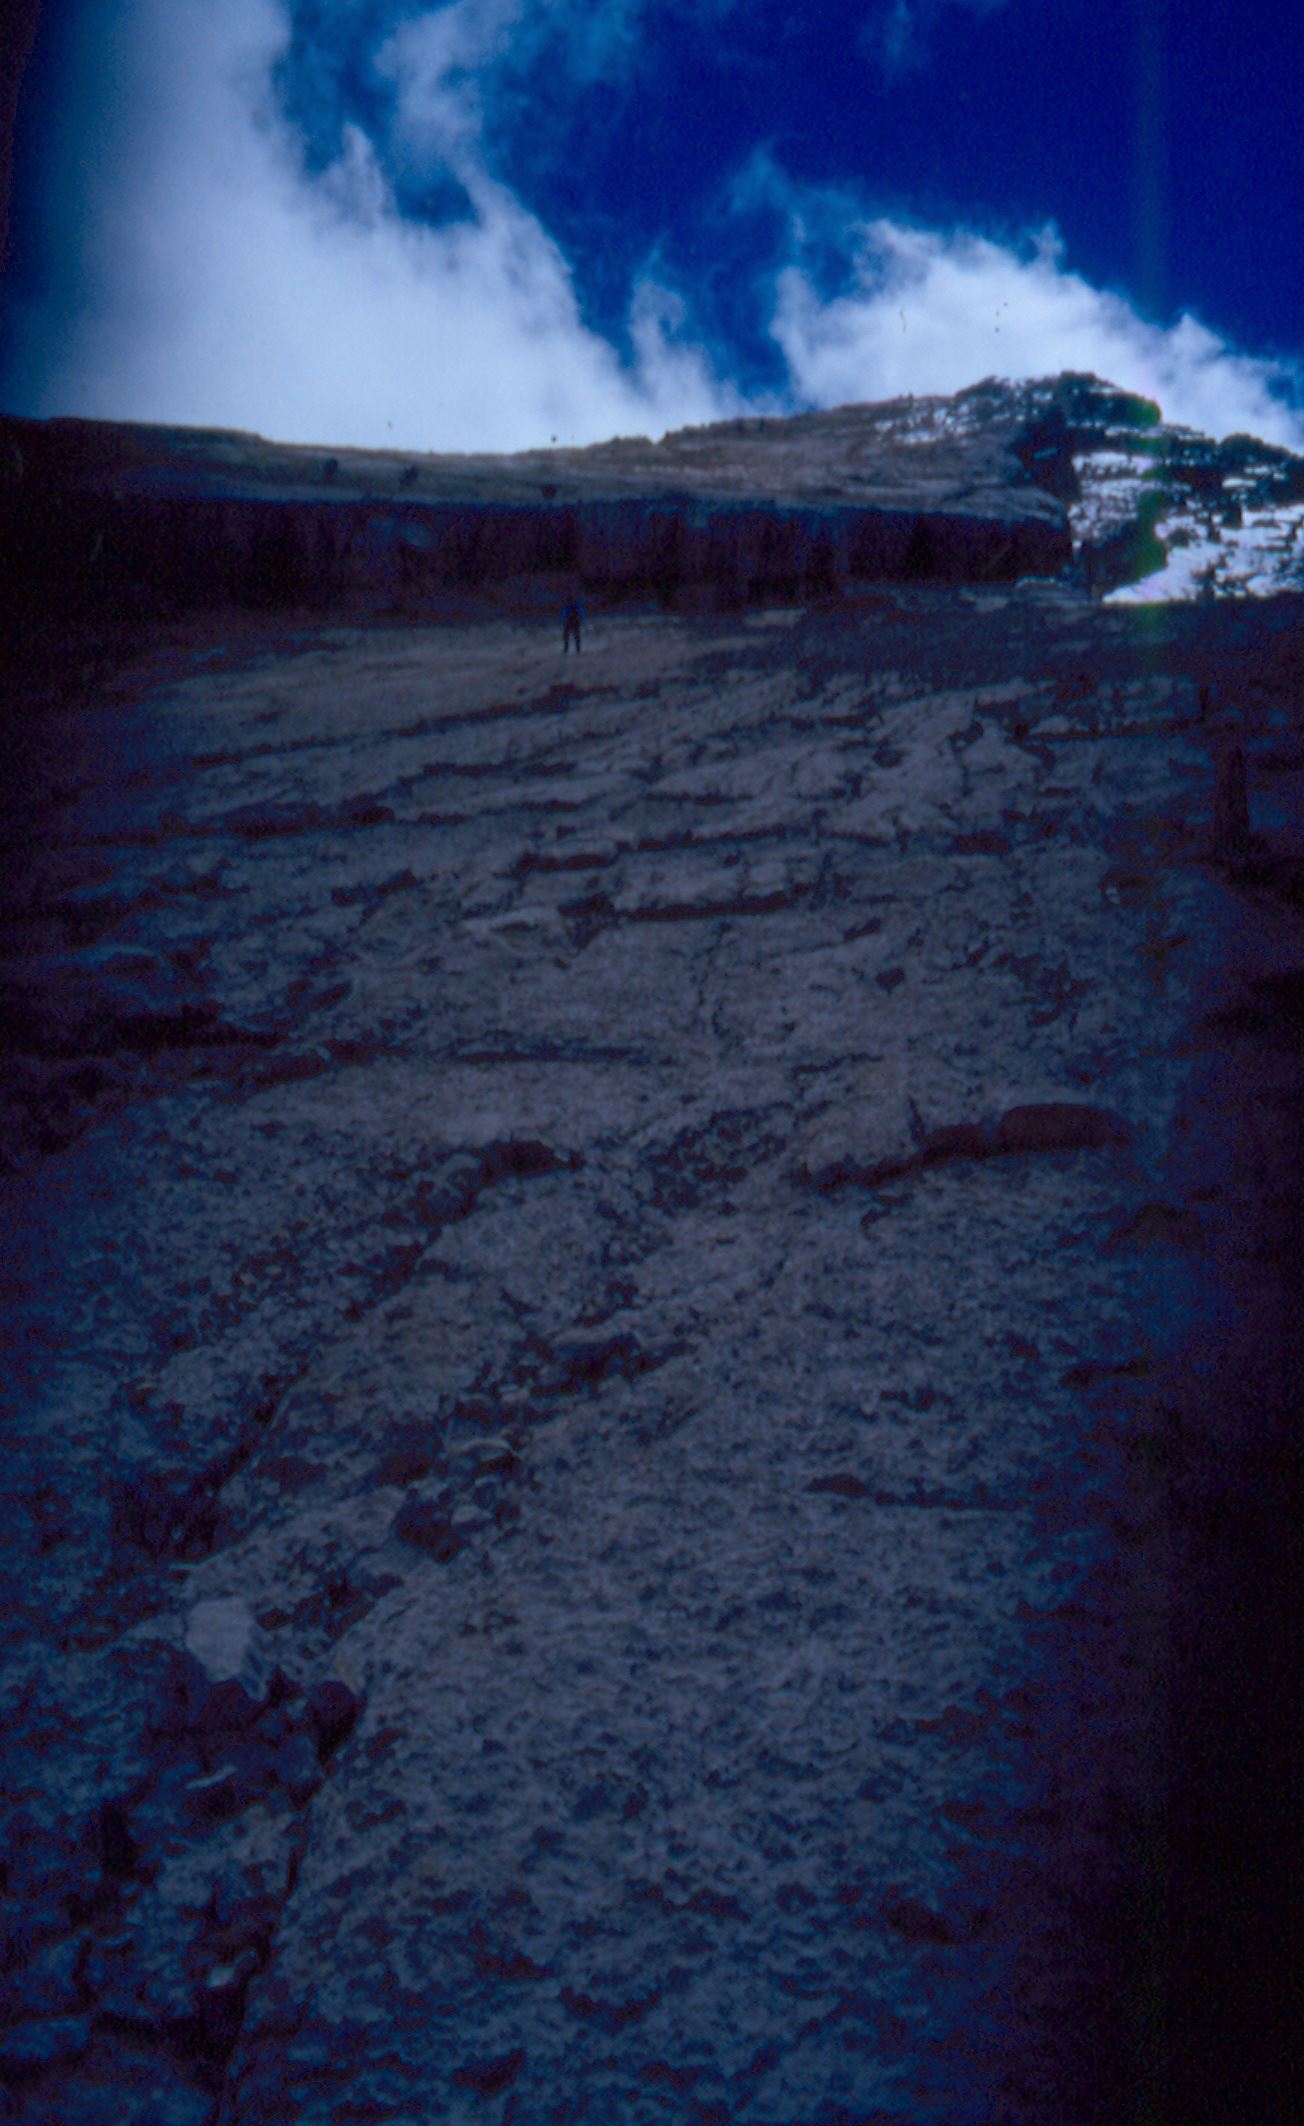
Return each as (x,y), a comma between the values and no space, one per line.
(1067,476)
(158,520)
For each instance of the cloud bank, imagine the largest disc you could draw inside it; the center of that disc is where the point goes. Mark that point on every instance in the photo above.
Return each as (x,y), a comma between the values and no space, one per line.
(932,312)
(219,284)
(219,278)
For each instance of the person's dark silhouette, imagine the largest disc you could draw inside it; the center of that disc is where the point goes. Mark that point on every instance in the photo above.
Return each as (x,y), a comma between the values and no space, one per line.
(572,620)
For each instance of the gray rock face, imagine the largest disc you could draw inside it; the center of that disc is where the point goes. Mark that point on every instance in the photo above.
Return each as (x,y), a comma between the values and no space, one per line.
(1157,513)
(1161,513)
(999,482)
(720,517)
(603,1283)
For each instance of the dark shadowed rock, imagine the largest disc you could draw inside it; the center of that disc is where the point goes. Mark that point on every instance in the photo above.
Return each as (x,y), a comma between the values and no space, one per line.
(296,1767)
(918,1922)
(220,2008)
(587,1361)
(333,1711)
(955,1140)
(984,841)
(490,2077)
(843,1484)
(1230,835)
(214,1796)
(427,1524)
(118,1850)
(1038,1126)
(1057,1126)
(34,2045)
(999,482)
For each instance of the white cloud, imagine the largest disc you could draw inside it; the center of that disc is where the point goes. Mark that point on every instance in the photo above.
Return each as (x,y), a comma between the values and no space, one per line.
(435,62)
(220,285)
(932,311)
(442,64)
(212,280)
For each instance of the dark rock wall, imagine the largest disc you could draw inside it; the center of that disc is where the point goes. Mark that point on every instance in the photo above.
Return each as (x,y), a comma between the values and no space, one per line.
(91,552)
(1000,482)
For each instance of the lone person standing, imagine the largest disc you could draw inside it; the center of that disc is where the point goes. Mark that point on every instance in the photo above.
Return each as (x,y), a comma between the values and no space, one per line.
(572,620)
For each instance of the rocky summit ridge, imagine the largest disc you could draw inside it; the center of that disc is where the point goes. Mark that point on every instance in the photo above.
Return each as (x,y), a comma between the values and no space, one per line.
(1066,476)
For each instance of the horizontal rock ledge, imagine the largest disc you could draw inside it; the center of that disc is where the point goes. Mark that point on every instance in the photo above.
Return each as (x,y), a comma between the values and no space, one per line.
(91,544)
(1034,1126)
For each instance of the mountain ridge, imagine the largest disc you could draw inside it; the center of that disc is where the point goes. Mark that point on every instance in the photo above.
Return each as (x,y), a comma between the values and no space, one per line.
(1067,477)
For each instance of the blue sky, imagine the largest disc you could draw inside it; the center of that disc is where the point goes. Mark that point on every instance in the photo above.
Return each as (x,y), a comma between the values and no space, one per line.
(489,222)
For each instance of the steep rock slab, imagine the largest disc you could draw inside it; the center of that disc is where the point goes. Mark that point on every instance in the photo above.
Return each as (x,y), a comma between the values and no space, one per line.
(512,1598)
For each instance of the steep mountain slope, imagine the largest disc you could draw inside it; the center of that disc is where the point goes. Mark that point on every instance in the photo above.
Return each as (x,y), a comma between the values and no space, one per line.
(650,1309)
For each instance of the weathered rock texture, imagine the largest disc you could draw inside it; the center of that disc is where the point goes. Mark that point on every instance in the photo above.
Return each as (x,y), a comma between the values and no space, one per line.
(649,1471)
(999,482)
(748,510)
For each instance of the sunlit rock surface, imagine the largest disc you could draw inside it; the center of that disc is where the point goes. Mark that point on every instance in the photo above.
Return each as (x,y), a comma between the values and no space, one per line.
(650,1304)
